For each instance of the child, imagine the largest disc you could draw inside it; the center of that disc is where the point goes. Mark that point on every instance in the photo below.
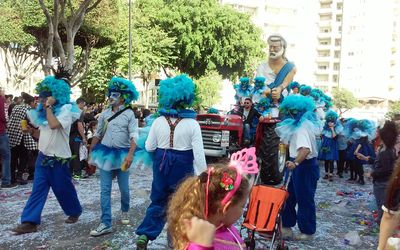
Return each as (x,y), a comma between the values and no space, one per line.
(329,151)
(218,196)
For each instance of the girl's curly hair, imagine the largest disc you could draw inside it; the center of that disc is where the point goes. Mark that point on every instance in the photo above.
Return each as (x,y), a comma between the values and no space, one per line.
(190,198)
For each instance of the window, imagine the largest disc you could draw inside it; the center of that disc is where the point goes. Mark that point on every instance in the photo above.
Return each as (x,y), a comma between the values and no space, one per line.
(336,66)
(339,6)
(351,54)
(335,78)
(337,54)
(338,18)
(338,42)
(323,67)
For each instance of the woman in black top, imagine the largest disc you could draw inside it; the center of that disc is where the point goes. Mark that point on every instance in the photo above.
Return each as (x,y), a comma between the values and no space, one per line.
(383,164)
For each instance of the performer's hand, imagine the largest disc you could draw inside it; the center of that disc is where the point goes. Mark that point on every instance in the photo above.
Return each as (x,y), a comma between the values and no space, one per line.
(128,160)
(50,101)
(267,92)
(290,165)
(276,93)
(199,231)
(261,118)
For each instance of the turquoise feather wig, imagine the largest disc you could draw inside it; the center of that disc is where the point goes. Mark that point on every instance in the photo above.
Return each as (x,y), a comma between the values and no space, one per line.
(243,89)
(349,126)
(212,111)
(365,128)
(58,87)
(293,85)
(125,87)
(297,111)
(263,106)
(259,82)
(332,116)
(176,96)
(305,90)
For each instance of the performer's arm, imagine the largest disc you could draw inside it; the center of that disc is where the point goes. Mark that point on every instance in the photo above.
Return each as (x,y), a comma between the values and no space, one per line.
(98,133)
(199,163)
(388,225)
(276,92)
(302,154)
(151,142)
(51,118)
(133,135)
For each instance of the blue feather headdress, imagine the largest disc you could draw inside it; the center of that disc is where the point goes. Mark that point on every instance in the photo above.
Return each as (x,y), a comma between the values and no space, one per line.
(305,90)
(176,96)
(125,87)
(332,116)
(263,106)
(58,87)
(212,111)
(356,129)
(243,89)
(297,111)
(259,82)
(293,85)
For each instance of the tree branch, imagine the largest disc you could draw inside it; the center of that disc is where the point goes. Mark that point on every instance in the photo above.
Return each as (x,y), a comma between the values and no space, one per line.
(93,6)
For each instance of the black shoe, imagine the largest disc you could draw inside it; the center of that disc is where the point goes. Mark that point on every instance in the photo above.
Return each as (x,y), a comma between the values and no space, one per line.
(325,177)
(340,175)
(361,182)
(12,185)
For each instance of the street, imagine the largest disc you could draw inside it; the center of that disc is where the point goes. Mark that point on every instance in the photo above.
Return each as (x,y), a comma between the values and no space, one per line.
(341,207)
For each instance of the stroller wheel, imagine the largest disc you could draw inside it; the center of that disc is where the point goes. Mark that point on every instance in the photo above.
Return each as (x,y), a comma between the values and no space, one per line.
(250,243)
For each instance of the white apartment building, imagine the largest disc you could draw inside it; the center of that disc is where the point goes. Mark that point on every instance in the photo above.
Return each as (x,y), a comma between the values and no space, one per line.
(292,20)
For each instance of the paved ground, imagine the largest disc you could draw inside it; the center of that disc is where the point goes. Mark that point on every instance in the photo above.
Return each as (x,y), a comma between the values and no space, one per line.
(342,207)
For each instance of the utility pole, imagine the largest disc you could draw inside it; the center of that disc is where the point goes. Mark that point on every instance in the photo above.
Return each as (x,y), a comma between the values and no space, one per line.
(130,42)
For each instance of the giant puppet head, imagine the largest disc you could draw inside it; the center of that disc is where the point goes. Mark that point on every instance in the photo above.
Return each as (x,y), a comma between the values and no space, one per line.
(277,46)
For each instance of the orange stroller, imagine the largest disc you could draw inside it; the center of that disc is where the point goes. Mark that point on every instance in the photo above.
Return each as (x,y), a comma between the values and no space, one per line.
(263,215)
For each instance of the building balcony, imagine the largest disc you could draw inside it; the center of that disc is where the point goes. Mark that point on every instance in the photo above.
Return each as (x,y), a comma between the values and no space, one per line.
(324,35)
(324,47)
(324,23)
(322,72)
(325,10)
(321,59)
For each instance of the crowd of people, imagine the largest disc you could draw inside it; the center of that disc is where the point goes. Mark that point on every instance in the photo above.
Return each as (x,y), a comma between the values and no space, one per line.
(200,203)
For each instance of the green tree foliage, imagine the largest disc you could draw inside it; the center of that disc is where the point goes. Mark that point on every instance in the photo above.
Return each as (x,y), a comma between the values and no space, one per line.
(394,110)
(210,36)
(344,100)
(208,89)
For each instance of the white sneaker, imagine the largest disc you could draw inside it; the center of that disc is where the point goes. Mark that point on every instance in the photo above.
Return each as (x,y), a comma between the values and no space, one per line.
(125,218)
(287,233)
(303,237)
(100,230)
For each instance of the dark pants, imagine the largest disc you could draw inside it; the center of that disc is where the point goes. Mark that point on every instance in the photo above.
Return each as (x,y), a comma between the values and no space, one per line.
(19,161)
(75,164)
(359,170)
(5,156)
(302,189)
(329,166)
(58,177)
(341,161)
(170,167)
(379,193)
(352,168)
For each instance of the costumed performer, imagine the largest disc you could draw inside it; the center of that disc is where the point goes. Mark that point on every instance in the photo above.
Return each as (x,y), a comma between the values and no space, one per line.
(54,116)
(299,128)
(176,140)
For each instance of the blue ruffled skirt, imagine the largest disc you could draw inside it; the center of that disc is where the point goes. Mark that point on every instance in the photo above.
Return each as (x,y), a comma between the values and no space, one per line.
(329,149)
(107,158)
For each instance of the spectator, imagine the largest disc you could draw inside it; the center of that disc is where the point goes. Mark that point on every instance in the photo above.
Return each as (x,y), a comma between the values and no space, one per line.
(76,138)
(249,116)
(4,146)
(21,142)
(391,215)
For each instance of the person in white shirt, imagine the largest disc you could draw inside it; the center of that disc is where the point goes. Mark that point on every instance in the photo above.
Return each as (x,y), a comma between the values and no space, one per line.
(54,116)
(177,145)
(298,129)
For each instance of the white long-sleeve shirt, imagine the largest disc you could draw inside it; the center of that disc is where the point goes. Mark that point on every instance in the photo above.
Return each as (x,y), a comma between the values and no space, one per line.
(187,136)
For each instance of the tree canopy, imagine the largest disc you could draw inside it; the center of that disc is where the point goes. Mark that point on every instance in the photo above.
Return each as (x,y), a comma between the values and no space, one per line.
(344,100)
(394,110)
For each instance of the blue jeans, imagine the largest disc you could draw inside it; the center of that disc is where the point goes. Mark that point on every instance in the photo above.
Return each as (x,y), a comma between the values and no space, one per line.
(246,131)
(58,177)
(379,193)
(5,155)
(105,193)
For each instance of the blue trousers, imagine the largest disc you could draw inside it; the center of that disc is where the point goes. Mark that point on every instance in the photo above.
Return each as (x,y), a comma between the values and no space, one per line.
(58,177)
(302,189)
(5,155)
(105,196)
(380,195)
(170,167)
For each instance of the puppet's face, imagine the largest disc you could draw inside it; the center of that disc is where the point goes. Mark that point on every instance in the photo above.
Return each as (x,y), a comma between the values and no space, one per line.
(276,49)
(295,90)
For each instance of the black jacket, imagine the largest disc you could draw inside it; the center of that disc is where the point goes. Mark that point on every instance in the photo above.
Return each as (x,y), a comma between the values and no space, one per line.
(253,113)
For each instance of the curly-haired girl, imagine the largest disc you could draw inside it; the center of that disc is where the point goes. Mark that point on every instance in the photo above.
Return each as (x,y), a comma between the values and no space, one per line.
(218,196)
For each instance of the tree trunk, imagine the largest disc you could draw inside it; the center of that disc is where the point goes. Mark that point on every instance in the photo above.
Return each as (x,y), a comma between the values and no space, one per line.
(146,92)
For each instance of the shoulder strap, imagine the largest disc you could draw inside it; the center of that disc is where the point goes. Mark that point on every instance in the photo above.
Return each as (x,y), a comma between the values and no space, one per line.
(282,74)
(172,130)
(118,113)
